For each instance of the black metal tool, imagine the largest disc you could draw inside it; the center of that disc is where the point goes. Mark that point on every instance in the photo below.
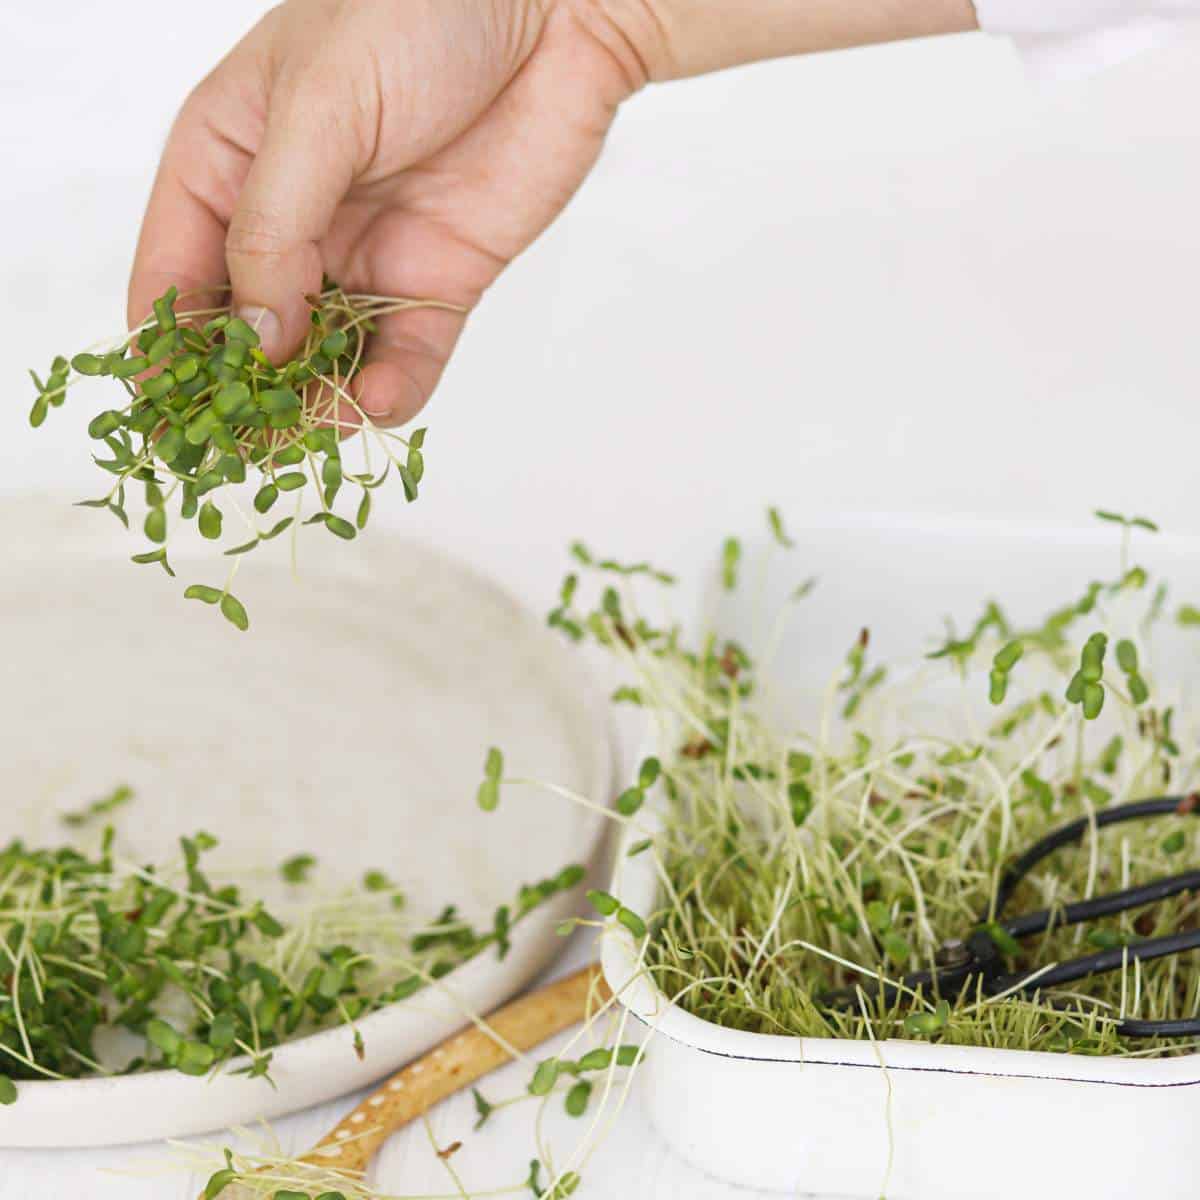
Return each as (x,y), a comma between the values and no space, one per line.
(978,958)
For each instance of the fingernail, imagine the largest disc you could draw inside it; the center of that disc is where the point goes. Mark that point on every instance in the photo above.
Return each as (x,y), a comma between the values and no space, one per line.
(373,400)
(266,324)
(376,406)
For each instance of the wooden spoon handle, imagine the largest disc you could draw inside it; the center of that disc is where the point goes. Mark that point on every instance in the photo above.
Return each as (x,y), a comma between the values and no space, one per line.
(457,1063)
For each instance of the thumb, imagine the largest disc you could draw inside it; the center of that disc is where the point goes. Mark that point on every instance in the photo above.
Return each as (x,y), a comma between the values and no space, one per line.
(298,179)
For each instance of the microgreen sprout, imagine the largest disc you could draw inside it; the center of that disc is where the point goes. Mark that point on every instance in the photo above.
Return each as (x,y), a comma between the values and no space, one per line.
(1126,522)
(859,682)
(1127,660)
(731,555)
(631,800)
(298,868)
(488,796)
(103,807)
(1085,688)
(272,1175)
(483,1108)
(776,526)
(1006,658)
(201,409)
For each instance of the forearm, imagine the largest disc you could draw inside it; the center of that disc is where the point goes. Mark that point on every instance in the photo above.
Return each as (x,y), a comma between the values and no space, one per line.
(677,38)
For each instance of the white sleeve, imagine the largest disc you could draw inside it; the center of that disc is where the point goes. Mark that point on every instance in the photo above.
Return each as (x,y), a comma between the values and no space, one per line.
(1066,38)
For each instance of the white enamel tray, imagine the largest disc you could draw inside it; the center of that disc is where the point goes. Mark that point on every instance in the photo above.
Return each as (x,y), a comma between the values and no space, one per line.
(351,722)
(901,1119)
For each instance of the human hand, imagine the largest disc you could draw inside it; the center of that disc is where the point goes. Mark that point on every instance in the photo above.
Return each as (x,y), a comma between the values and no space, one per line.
(415,147)
(403,147)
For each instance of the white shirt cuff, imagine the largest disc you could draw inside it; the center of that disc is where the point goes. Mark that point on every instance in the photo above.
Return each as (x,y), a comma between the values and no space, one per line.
(1063,39)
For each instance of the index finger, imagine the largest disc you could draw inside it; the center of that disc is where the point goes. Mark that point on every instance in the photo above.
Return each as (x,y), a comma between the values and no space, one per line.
(183,238)
(182,241)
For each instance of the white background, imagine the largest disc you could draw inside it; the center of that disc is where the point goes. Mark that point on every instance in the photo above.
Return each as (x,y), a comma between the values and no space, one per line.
(899,279)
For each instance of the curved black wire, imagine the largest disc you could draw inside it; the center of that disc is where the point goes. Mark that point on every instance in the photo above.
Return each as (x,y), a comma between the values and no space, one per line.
(1099,906)
(1112,959)
(1159,806)
(984,958)
(1102,906)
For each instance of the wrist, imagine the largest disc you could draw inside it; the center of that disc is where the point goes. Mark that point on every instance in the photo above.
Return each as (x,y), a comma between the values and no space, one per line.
(672,39)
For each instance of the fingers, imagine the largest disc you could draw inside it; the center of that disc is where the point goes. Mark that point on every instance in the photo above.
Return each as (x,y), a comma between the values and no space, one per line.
(182,242)
(302,171)
(405,361)
(204,165)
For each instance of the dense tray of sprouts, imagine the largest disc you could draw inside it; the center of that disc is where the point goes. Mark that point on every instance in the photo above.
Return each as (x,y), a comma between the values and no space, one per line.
(796,860)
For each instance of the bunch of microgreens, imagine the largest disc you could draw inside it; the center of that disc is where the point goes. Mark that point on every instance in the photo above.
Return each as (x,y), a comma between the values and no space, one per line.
(201,407)
(197,970)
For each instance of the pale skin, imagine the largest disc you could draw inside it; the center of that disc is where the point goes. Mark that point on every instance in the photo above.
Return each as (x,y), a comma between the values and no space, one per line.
(416,147)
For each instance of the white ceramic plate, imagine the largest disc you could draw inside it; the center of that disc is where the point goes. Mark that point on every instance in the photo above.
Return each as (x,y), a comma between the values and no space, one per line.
(351,721)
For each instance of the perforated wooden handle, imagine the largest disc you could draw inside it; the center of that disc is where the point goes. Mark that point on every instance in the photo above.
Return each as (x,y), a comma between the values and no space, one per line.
(457,1063)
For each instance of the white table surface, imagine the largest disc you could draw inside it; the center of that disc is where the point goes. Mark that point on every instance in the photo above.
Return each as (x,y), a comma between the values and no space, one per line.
(898,279)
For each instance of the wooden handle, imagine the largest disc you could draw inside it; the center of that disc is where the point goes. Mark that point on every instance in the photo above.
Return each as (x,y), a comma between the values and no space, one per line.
(455,1064)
